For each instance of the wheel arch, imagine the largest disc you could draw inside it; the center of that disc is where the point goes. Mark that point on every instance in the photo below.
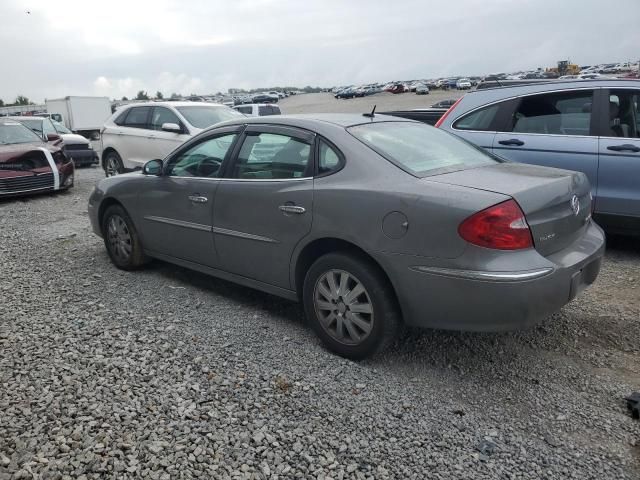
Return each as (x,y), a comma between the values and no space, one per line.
(105,152)
(321,246)
(104,205)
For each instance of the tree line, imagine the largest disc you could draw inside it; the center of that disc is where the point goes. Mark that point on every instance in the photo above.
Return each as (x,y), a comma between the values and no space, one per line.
(20,100)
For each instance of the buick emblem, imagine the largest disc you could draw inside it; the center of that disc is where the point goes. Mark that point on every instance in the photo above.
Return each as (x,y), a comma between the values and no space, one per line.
(575,205)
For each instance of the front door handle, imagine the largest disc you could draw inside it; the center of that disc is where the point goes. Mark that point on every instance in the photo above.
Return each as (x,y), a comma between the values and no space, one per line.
(292,209)
(195,198)
(627,147)
(512,141)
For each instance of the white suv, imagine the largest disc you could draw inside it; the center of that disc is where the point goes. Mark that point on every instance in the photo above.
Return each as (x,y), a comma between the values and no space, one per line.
(140,132)
(258,109)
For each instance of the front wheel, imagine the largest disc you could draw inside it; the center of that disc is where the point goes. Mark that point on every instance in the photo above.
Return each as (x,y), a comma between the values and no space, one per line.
(113,164)
(121,239)
(350,305)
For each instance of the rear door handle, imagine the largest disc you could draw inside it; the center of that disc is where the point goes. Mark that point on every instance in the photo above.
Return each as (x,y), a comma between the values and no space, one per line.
(292,209)
(627,147)
(512,141)
(195,198)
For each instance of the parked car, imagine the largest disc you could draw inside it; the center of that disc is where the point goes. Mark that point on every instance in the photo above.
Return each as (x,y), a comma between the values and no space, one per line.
(264,98)
(139,132)
(443,104)
(422,89)
(592,126)
(463,84)
(75,147)
(28,164)
(348,92)
(258,109)
(397,88)
(369,221)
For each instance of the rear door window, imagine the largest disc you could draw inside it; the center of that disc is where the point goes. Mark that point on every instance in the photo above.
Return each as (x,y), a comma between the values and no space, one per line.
(564,113)
(624,114)
(138,117)
(480,120)
(264,110)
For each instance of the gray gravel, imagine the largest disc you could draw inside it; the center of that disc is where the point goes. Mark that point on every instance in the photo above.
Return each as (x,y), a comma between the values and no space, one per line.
(166,373)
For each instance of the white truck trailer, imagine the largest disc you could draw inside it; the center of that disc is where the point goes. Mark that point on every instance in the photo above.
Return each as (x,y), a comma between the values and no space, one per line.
(83,115)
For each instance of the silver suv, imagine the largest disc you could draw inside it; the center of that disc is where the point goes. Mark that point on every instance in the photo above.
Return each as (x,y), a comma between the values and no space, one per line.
(592,126)
(140,132)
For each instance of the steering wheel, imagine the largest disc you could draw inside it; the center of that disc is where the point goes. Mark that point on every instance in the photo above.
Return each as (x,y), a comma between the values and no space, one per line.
(209,166)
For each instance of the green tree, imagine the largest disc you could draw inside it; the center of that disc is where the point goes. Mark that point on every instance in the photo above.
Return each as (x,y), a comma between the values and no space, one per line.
(1,103)
(22,100)
(142,95)
(125,99)
(159,95)
(175,96)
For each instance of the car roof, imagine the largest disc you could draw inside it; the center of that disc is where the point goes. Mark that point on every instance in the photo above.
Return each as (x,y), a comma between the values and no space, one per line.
(24,117)
(315,121)
(171,103)
(563,84)
(257,105)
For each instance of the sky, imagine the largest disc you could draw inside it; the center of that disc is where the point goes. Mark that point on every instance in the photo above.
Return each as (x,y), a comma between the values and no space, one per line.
(51,49)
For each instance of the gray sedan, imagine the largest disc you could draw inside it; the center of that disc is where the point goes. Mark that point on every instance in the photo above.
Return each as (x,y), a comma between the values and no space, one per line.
(371,221)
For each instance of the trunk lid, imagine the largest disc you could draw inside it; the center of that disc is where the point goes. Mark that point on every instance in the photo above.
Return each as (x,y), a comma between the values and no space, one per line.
(556,203)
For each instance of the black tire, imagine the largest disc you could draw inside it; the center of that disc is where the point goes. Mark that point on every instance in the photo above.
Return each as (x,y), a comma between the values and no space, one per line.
(384,322)
(112,164)
(126,251)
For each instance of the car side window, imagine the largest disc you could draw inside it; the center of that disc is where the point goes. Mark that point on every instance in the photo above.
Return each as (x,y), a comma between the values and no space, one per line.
(268,156)
(137,117)
(162,115)
(481,119)
(120,118)
(264,110)
(624,114)
(565,113)
(328,159)
(203,159)
(245,110)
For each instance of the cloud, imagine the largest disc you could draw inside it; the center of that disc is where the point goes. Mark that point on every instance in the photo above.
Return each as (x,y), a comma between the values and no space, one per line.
(115,48)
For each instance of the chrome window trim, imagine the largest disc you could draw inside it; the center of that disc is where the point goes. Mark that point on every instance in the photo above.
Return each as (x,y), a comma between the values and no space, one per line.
(484,275)
(263,179)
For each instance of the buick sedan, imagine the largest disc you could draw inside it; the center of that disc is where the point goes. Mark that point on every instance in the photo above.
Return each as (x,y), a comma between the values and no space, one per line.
(372,222)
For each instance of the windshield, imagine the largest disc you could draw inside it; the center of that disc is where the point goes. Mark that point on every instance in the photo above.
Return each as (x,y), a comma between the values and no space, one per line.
(420,149)
(60,128)
(13,132)
(203,117)
(35,125)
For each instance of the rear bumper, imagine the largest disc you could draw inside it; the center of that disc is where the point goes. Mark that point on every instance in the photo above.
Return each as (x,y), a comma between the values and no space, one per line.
(473,300)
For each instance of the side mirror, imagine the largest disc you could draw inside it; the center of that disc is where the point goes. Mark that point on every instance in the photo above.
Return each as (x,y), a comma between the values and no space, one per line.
(171,127)
(53,137)
(94,136)
(152,167)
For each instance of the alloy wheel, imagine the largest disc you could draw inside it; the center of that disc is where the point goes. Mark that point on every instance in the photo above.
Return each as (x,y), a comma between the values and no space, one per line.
(343,307)
(119,238)
(112,166)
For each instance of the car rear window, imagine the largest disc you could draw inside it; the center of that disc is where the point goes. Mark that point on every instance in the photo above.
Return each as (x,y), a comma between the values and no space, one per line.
(420,149)
(203,117)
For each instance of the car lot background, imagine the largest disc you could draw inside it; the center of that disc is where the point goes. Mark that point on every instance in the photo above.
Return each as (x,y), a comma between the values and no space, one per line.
(166,373)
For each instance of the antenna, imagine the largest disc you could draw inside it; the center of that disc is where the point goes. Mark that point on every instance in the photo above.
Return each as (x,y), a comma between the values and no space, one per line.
(372,114)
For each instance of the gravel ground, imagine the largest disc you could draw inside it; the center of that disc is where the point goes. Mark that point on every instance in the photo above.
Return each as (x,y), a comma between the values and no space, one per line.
(166,373)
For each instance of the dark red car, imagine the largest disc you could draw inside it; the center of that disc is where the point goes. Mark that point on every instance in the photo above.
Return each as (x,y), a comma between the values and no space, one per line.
(30,165)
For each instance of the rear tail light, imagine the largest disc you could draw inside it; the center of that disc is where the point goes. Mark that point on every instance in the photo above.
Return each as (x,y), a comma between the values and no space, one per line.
(501,227)
(446,114)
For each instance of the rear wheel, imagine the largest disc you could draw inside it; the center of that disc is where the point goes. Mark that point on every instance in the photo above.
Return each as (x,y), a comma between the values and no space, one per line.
(350,305)
(121,239)
(113,164)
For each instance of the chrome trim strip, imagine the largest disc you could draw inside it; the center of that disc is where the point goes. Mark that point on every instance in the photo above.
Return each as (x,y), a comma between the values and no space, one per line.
(179,223)
(264,179)
(246,236)
(54,167)
(483,275)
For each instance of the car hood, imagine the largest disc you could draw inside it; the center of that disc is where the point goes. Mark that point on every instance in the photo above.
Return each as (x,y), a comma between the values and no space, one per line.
(9,153)
(74,139)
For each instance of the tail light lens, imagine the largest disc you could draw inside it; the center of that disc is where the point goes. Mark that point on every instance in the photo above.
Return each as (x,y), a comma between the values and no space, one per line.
(446,114)
(501,227)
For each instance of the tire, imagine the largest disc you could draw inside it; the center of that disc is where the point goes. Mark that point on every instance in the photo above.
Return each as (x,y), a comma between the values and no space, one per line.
(112,164)
(328,314)
(121,239)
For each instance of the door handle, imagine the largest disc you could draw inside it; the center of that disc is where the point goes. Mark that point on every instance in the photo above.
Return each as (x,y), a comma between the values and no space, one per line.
(195,198)
(292,209)
(627,147)
(513,141)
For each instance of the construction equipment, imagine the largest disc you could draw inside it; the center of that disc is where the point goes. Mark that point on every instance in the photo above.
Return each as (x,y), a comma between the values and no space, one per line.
(565,67)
